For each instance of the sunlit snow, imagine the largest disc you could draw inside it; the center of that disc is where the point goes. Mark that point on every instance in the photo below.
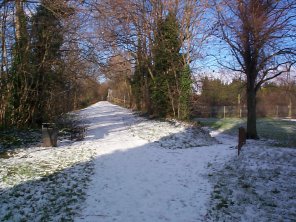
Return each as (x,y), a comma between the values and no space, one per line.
(131,169)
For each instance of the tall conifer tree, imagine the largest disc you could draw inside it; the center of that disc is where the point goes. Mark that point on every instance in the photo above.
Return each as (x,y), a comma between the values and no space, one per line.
(172,83)
(47,40)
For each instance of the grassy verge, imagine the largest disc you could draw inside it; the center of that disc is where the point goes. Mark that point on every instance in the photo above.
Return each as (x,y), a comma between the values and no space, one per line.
(259,183)
(281,131)
(70,127)
(44,183)
(11,139)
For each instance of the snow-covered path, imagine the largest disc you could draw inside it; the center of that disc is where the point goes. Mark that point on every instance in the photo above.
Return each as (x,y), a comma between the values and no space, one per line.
(137,180)
(147,170)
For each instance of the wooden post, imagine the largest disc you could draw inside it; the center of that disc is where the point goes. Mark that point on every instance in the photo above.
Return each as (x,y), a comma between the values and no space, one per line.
(109,95)
(290,109)
(242,136)
(49,135)
(124,100)
(224,111)
(277,111)
(239,106)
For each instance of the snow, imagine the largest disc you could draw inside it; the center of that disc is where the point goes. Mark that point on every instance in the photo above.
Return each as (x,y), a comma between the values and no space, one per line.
(292,120)
(132,169)
(141,174)
(38,183)
(260,183)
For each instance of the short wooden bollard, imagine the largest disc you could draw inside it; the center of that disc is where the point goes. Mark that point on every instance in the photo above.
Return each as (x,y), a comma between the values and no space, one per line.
(241,139)
(49,135)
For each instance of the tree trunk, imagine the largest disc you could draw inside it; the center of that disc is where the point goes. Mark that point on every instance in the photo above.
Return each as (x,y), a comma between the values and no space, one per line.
(18,13)
(22,81)
(147,97)
(251,120)
(3,41)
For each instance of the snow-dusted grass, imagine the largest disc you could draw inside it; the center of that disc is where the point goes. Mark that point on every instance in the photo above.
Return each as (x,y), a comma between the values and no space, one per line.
(281,131)
(132,169)
(142,172)
(259,185)
(49,184)
(44,184)
(171,134)
(13,138)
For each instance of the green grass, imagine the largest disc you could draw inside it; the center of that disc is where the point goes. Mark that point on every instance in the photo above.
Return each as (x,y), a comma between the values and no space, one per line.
(281,131)
(15,138)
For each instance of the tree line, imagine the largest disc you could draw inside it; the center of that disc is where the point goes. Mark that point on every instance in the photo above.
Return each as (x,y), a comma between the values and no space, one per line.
(146,41)
(42,72)
(254,39)
(148,50)
(274,98)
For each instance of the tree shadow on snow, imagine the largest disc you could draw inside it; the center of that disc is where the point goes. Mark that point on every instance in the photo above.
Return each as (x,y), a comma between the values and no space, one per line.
(52,197)
(141,176)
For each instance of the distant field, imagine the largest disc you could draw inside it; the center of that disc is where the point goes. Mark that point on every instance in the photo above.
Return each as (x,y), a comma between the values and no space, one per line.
(282,131)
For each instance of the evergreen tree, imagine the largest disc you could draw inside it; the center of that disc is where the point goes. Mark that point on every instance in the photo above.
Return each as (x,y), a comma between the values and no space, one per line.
(137,86)
(20,70)
(137,81)
(172,84)
(46,60)
(36,66)
(47,40)
(167,63)
(185,93)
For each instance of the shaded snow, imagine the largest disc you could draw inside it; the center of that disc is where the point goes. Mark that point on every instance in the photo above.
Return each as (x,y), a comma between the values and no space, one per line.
(44,184)
(132,169)
(137,180)
(171,135)
(260,183)
(292,120)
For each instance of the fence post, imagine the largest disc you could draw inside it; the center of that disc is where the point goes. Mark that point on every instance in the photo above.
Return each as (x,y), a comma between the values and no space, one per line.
(224,110)
(290,110)
(124,100)
(239,106)
(242,136)
(49,134)
(277,111)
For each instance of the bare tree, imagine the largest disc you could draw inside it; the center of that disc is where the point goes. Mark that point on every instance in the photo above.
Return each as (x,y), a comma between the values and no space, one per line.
(44,61)
(131,26)
(260,35)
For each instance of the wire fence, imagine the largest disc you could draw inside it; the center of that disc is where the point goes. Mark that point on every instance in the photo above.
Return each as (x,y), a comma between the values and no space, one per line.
(124,102)
(241,112)
(288,111)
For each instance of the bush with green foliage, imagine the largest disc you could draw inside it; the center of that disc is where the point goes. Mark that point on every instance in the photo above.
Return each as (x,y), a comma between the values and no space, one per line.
(171,85)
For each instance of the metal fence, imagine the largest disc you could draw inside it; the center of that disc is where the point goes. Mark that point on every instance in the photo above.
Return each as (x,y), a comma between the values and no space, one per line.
(240,112)
(124,102)
(288,111)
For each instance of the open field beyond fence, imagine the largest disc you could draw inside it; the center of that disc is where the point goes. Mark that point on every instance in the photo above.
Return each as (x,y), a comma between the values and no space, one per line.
(282,131)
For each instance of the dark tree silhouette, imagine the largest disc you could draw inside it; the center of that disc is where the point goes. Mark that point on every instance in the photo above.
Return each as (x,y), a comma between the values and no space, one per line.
(261,37)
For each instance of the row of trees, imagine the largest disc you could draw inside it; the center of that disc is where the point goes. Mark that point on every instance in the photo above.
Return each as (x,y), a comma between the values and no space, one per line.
(148,50)
(275,98)
(253,38)
(216,92)
(148,45)
(260,35)
(170,82)
(40,56)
